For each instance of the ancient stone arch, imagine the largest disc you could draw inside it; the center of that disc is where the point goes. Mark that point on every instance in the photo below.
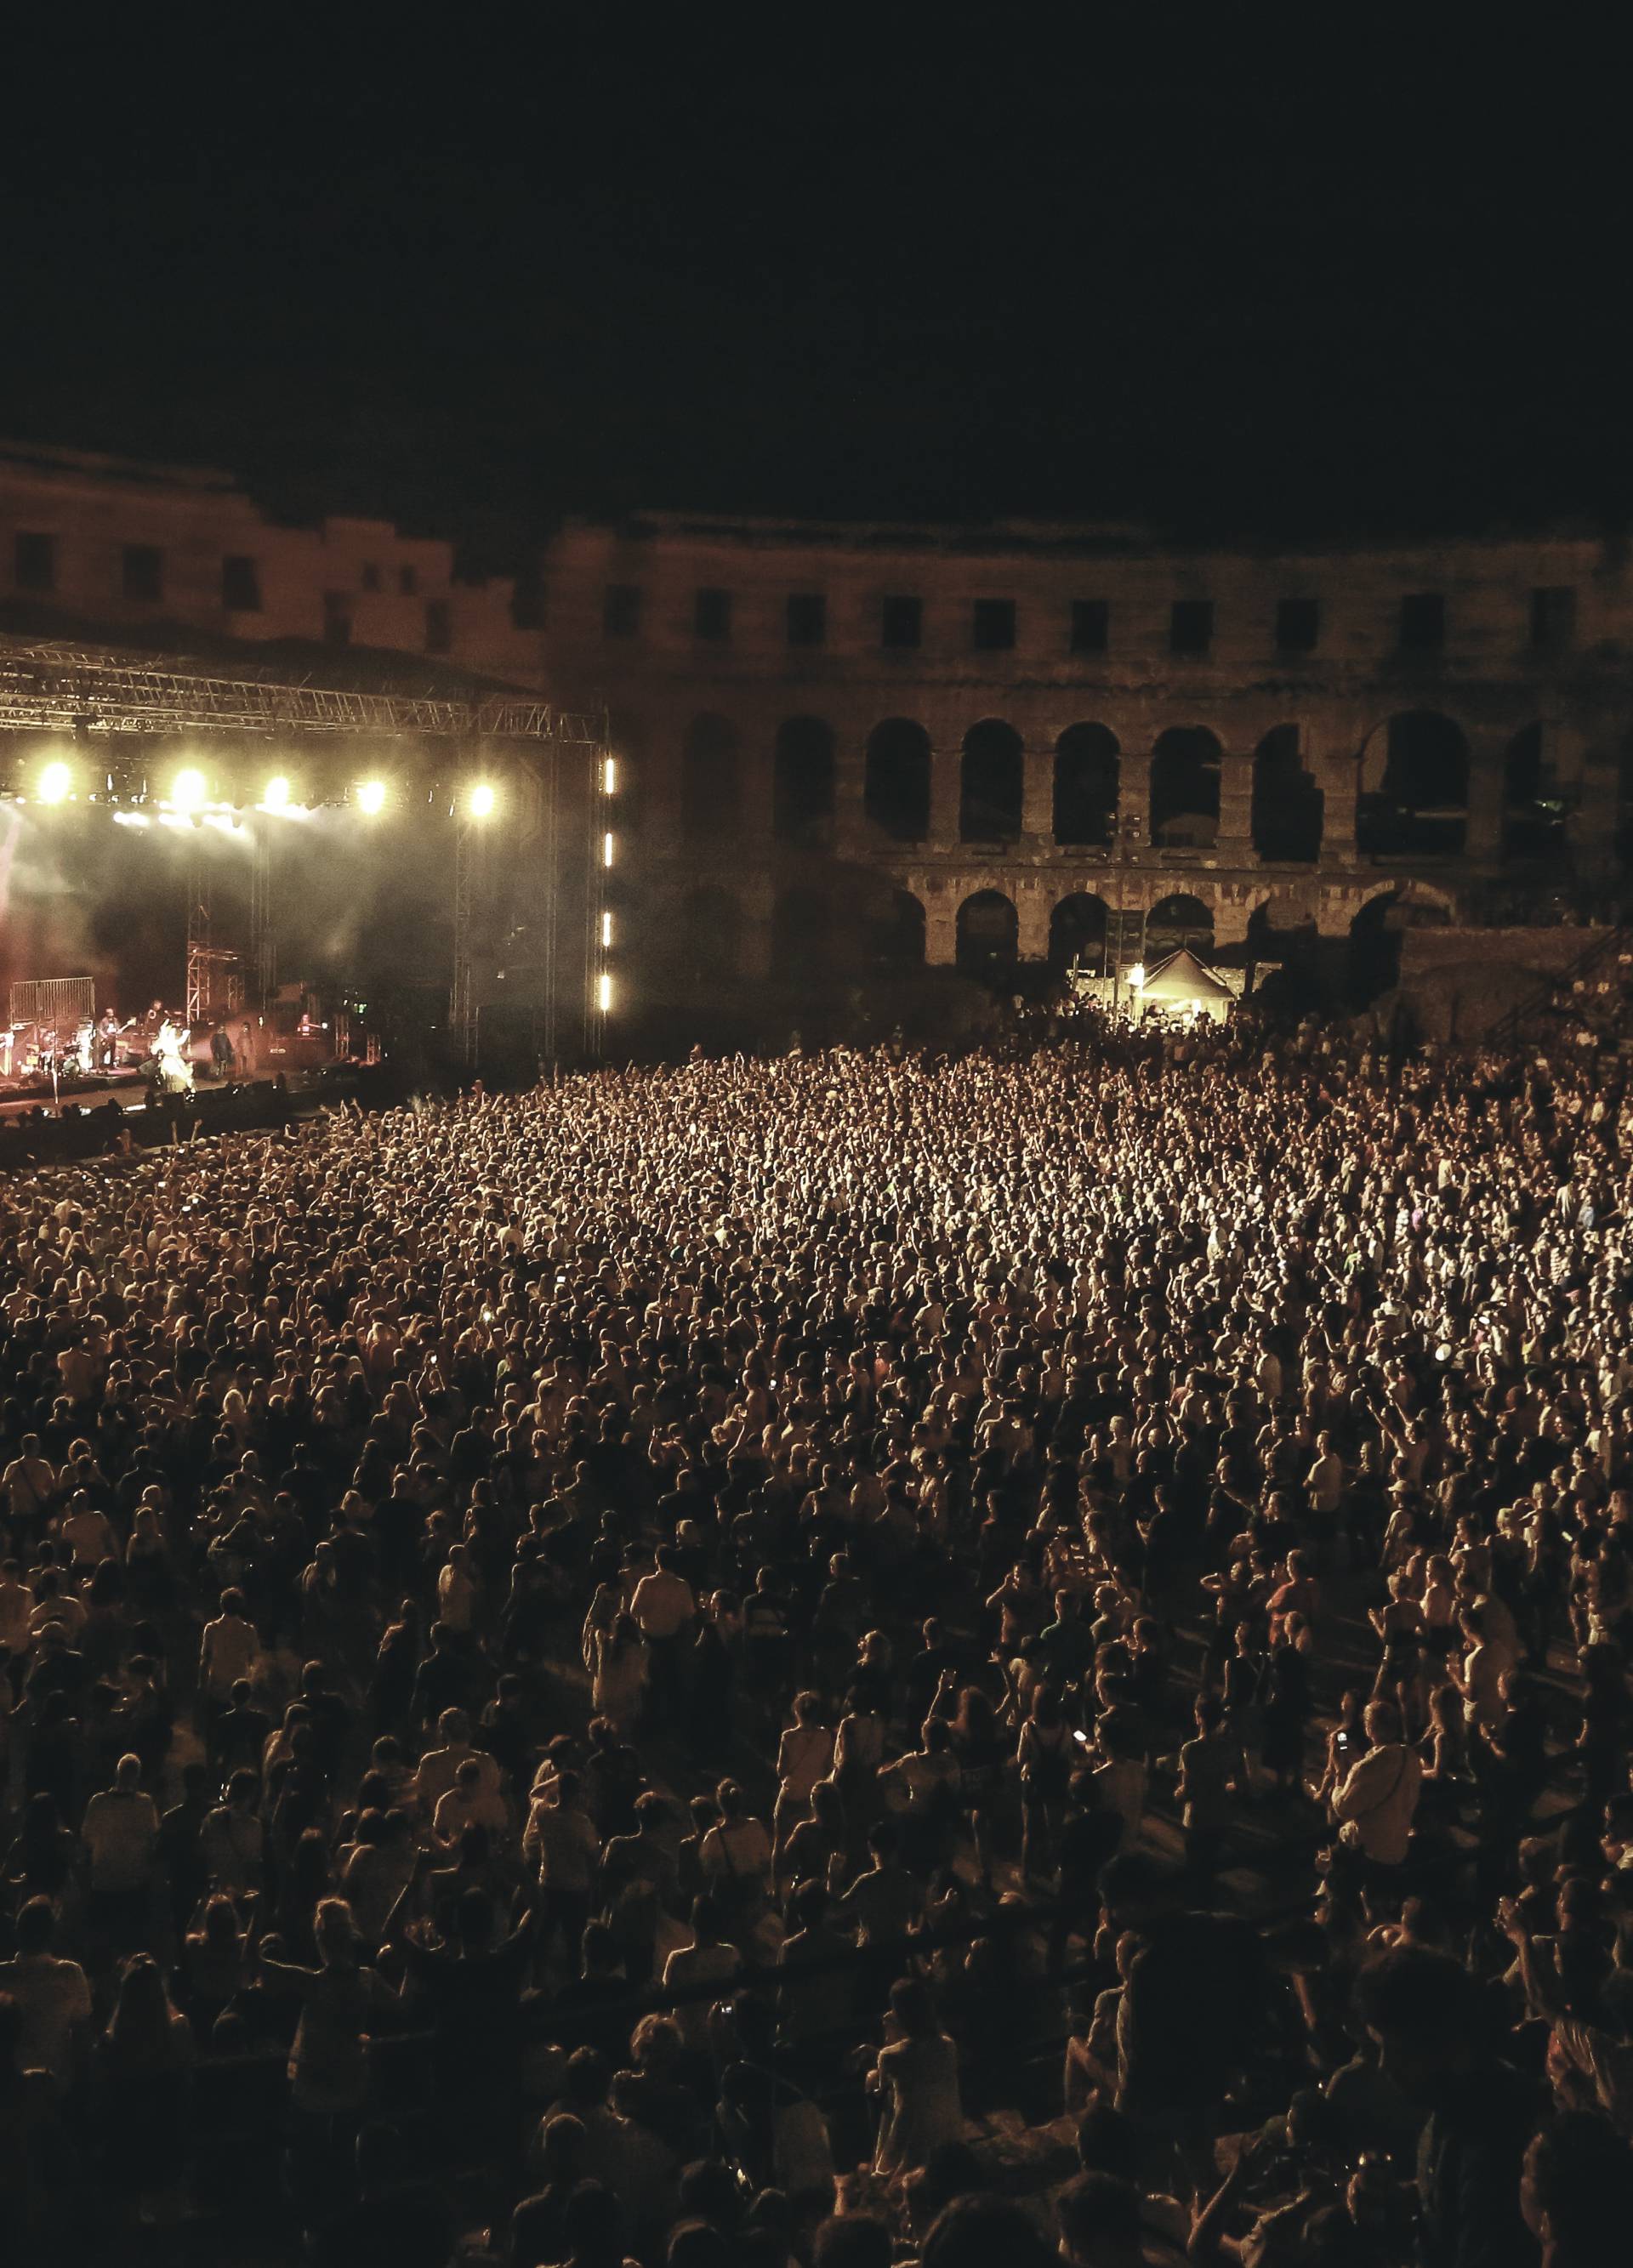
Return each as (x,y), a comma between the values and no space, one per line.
(896,780)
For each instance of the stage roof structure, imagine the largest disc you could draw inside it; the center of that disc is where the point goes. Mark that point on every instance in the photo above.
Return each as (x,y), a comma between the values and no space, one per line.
(66,686)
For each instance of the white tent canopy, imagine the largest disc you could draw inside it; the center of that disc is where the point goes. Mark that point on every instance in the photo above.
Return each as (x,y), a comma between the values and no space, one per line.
(1182,985)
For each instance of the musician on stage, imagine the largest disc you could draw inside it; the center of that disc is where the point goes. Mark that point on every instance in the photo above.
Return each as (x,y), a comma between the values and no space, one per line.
(169,1046)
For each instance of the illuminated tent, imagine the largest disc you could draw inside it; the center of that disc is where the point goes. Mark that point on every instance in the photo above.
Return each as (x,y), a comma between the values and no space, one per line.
(1183,986)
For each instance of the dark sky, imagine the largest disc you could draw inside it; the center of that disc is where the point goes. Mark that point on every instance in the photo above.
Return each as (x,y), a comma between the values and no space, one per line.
(863,264)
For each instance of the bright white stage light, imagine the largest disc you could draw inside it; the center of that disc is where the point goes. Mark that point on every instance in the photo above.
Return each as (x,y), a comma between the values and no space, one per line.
(131,819)
(606,929)
(56,779)
(188,789)
(275,794)
(1136,975)
(609,775)
(481,800)
(603,992)
(605,849)
(371,797)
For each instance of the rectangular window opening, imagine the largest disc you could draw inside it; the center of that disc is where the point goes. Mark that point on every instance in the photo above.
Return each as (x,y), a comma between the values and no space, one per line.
(1190,626)
(808,618)
(1092,625)
(992,625)
(1298,625)
(241,585)
(711,615)
(1422,622)
(143,572)
(1553,619)
(621,610)
(901,624)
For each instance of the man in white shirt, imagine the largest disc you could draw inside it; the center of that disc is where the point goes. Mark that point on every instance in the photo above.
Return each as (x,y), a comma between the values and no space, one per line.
(28,1483)
(664,1607)
(88,1534)
(17,1604)
(560,1839)
(228,1650)
(121,1835)
(707,1961)
(439,1768)
(470,1803)
(53,1995)
(456,1593)
(1376,1804)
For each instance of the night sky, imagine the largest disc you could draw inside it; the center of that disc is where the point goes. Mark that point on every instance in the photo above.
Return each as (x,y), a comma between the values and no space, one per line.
(848,264)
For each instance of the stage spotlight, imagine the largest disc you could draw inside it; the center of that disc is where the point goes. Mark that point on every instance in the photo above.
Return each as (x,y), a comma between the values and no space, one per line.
(481,800)
(606,929)
(609,775)
(188,789)
(276,796)
(371,797)
(603,992)
(605,849)
(56,779)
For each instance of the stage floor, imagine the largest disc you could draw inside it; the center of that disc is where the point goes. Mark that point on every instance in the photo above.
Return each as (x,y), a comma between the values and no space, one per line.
(130,1091)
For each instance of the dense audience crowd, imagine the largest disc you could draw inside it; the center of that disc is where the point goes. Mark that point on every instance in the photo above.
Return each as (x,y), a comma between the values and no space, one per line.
(850,1659)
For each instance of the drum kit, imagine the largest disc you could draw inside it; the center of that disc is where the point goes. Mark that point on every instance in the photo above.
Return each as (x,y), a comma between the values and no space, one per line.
(80,1049)
(29,1051)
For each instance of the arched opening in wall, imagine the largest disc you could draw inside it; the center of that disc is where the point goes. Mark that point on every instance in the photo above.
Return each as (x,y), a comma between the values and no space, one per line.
(1176,921)
(988,932)
(801,937)
(1375,947)
(1185,789)
(1284,951)
(899,934)
(1077,934)
(711,937)
(1414,800)
(1286,803)
(896,782)
(1375,933)
(1534,809)
(990,783)
(802,783)
(711,780)
(1086,772)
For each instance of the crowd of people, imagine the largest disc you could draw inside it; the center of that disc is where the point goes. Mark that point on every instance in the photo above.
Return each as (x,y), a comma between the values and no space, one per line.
(845,1659)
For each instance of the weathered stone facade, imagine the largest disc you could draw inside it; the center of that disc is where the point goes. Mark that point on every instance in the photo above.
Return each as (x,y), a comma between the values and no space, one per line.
(1299,731)
(846,747)
(119,545)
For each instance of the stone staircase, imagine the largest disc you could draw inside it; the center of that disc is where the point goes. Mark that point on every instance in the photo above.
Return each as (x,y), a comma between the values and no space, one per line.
(1568,988)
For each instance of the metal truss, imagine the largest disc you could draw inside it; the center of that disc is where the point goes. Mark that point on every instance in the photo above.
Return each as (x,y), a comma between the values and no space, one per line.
(57,687)
(469,843)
